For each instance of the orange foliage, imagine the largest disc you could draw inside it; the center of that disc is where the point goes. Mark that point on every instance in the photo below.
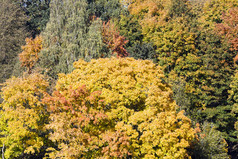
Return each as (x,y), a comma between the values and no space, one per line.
(114,40)
(29,56)
(229,27)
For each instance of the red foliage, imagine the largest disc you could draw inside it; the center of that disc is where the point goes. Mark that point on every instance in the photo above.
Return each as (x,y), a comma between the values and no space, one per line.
(229,27)
(114,40)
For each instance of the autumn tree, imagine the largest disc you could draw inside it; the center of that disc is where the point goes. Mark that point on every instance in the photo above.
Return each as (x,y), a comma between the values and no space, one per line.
(139,106)
(29,56)
(23,117)
(80,115)
(229,27)
(114,41)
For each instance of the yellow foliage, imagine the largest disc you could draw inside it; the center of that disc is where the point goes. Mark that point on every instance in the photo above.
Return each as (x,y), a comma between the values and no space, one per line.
(139,104)
(22,115)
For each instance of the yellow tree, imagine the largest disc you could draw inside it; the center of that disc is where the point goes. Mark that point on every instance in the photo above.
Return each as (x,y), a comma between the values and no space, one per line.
(143,121)
(22,116)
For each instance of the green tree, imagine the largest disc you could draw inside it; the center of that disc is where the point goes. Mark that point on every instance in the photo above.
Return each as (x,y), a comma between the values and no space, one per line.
(67,37)
(210,143)
(38,12)
(105,9)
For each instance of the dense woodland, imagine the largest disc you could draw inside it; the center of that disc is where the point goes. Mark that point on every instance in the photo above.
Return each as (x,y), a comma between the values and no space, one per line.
(119,79)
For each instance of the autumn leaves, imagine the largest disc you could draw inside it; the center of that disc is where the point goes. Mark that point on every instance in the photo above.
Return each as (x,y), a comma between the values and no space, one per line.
(106,108)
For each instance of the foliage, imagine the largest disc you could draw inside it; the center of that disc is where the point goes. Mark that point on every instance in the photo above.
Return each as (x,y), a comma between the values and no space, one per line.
(77,119)
(12,34)
(130,28)
(229,27)
(142,51)
(29,56)
(213,10)
(23,116)
(105,9)
(68,37)
(233,100)
(210,143)
(114,41)
(38,12)
(139,105)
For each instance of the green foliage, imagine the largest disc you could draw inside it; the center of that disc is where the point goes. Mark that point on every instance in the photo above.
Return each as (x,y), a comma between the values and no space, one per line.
(130,28)
(12,35)
(210,143)
(67,37)
(38,12)
(105,9)
(23,116)
(142,51)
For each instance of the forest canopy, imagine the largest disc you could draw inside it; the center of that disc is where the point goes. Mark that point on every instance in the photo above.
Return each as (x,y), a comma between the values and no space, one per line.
(119,79)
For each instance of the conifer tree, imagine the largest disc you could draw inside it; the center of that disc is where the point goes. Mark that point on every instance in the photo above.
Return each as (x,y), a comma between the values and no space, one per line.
(66,37)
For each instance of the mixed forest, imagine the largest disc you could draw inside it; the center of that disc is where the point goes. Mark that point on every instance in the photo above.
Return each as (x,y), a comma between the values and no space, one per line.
(128,79)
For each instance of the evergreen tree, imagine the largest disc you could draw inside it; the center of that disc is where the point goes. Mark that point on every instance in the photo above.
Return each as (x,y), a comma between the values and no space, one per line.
(67,37)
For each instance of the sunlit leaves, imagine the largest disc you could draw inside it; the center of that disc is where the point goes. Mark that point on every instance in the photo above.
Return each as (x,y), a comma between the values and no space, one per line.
(23,115)
(29,56)
(139,106)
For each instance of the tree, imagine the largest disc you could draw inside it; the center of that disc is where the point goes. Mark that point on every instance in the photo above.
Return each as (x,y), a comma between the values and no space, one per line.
(138,105)
(23,116)
(130,28)
(77,119)
(229,27)
(105,9)
(38,12)
(210,143)
(12,34)
(29,56)
(233,100)
(143,51)
(67,36)
(114,41)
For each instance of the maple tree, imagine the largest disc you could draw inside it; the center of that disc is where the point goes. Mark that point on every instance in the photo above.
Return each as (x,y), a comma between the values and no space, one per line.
(138,105)
(23,116)
(113,39)
(29,56)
